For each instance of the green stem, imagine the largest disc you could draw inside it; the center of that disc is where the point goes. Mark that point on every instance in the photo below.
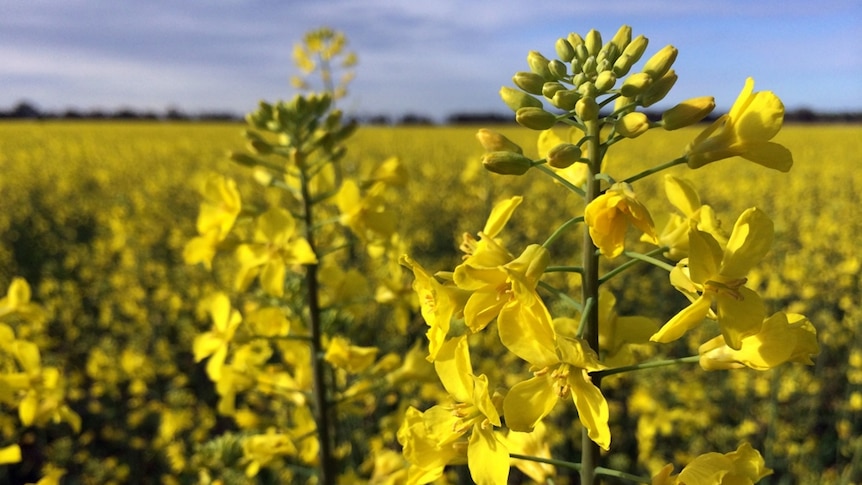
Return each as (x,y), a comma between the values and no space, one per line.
(321,402)
(644,365)
(550,172)
(590,452)
(549,461)
(656,169)
(635,259)
(562,295)
(564,269)
(608,472)
(561,229)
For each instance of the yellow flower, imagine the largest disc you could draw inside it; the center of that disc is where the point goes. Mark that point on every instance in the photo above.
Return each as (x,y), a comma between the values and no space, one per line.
(220,207)
(745,131)
(367,216)
(744,466)
(419,437)
(712,276)
(617,335)
(532,444)
(260,450)
(438,304)
(354,359)
(675,233)
(17,301)
(275,246)
(609,215)
(783,338)
(214,344)
(562,368)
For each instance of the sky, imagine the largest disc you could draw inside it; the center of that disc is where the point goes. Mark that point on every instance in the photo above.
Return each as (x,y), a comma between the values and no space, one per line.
(431,58)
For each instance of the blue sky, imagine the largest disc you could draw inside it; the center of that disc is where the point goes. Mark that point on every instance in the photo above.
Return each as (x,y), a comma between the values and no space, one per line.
(432,57)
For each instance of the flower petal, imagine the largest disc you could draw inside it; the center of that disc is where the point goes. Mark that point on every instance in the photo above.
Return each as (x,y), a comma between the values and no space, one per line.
(529,401)
(487,457)
(592,408)
(685,320)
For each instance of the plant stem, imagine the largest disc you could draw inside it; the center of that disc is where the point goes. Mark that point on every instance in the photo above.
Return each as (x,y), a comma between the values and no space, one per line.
(590,452)
(658,168)
(560,230)
(560,179)
(636,258)
(644,365)
(322,412)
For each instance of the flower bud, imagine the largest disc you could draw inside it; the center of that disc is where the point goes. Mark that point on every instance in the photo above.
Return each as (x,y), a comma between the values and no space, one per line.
(635,84)
(624,103)
(632,125)
(564,155)
(581,53)
(587,109)
(506,163)
(687,113)
(631,54)
(605,81)
(590,67)
(575,39)
(558,69)
(564,49)
(566,99)
(244,159)
(593,42)
(516,99)
(529,82)
(622,38)
(495,142)
(535,118)
(539,64)
(658,90)
(550,88)
(661,61)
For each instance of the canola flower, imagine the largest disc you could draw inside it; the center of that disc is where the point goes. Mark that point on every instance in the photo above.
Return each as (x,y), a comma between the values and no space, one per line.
(745,131)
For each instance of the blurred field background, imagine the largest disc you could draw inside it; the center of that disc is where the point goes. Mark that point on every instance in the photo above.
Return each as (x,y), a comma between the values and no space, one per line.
(95,216)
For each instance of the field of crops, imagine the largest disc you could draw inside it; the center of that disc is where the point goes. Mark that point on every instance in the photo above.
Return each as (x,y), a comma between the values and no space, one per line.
(95,216)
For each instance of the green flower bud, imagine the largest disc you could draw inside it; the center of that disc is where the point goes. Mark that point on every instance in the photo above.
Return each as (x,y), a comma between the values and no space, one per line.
(564,155)
(622,38)
(581,53)
(624,103)
(588,89)
(550,88)
(687,113)
(579,79)
(516,99)
(575,39)
(632,125)
(535,118)
(605,81)
(564,49)
(590,67)
(244,159)
(631,54)
(529,82)
(587,109)
(658,90)
(558,69)
(635,84)
(506,163)
(539,64)
(566,99)
(495,142)
(593,41)
(661,61)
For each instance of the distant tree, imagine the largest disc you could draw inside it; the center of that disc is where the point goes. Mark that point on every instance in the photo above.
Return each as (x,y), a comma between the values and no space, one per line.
(25,110)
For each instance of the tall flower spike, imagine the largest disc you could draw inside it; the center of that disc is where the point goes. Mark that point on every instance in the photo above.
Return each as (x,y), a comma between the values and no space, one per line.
(745,131)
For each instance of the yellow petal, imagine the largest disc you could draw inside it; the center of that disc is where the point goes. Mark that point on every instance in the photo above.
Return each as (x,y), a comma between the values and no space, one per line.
(704,256)
(524,326)
(682,195)
(272,278)
(10,454)
(683,321)
(206,344)
(762,118)
(739,317)
(455,370)
(529,401)
(487,457)
(770,155)
(592,408)
(748,244)
(500,215)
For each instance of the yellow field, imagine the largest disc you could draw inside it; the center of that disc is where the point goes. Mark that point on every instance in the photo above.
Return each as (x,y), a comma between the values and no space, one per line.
(95,217)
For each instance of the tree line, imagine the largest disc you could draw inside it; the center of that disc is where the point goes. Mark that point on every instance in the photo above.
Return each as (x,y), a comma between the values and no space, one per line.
(26,110)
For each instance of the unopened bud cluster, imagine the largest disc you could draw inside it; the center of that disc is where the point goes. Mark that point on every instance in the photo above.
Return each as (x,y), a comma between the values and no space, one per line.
(588,73)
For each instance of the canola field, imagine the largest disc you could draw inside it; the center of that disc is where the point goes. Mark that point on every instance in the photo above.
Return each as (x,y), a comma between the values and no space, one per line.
(95,216)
